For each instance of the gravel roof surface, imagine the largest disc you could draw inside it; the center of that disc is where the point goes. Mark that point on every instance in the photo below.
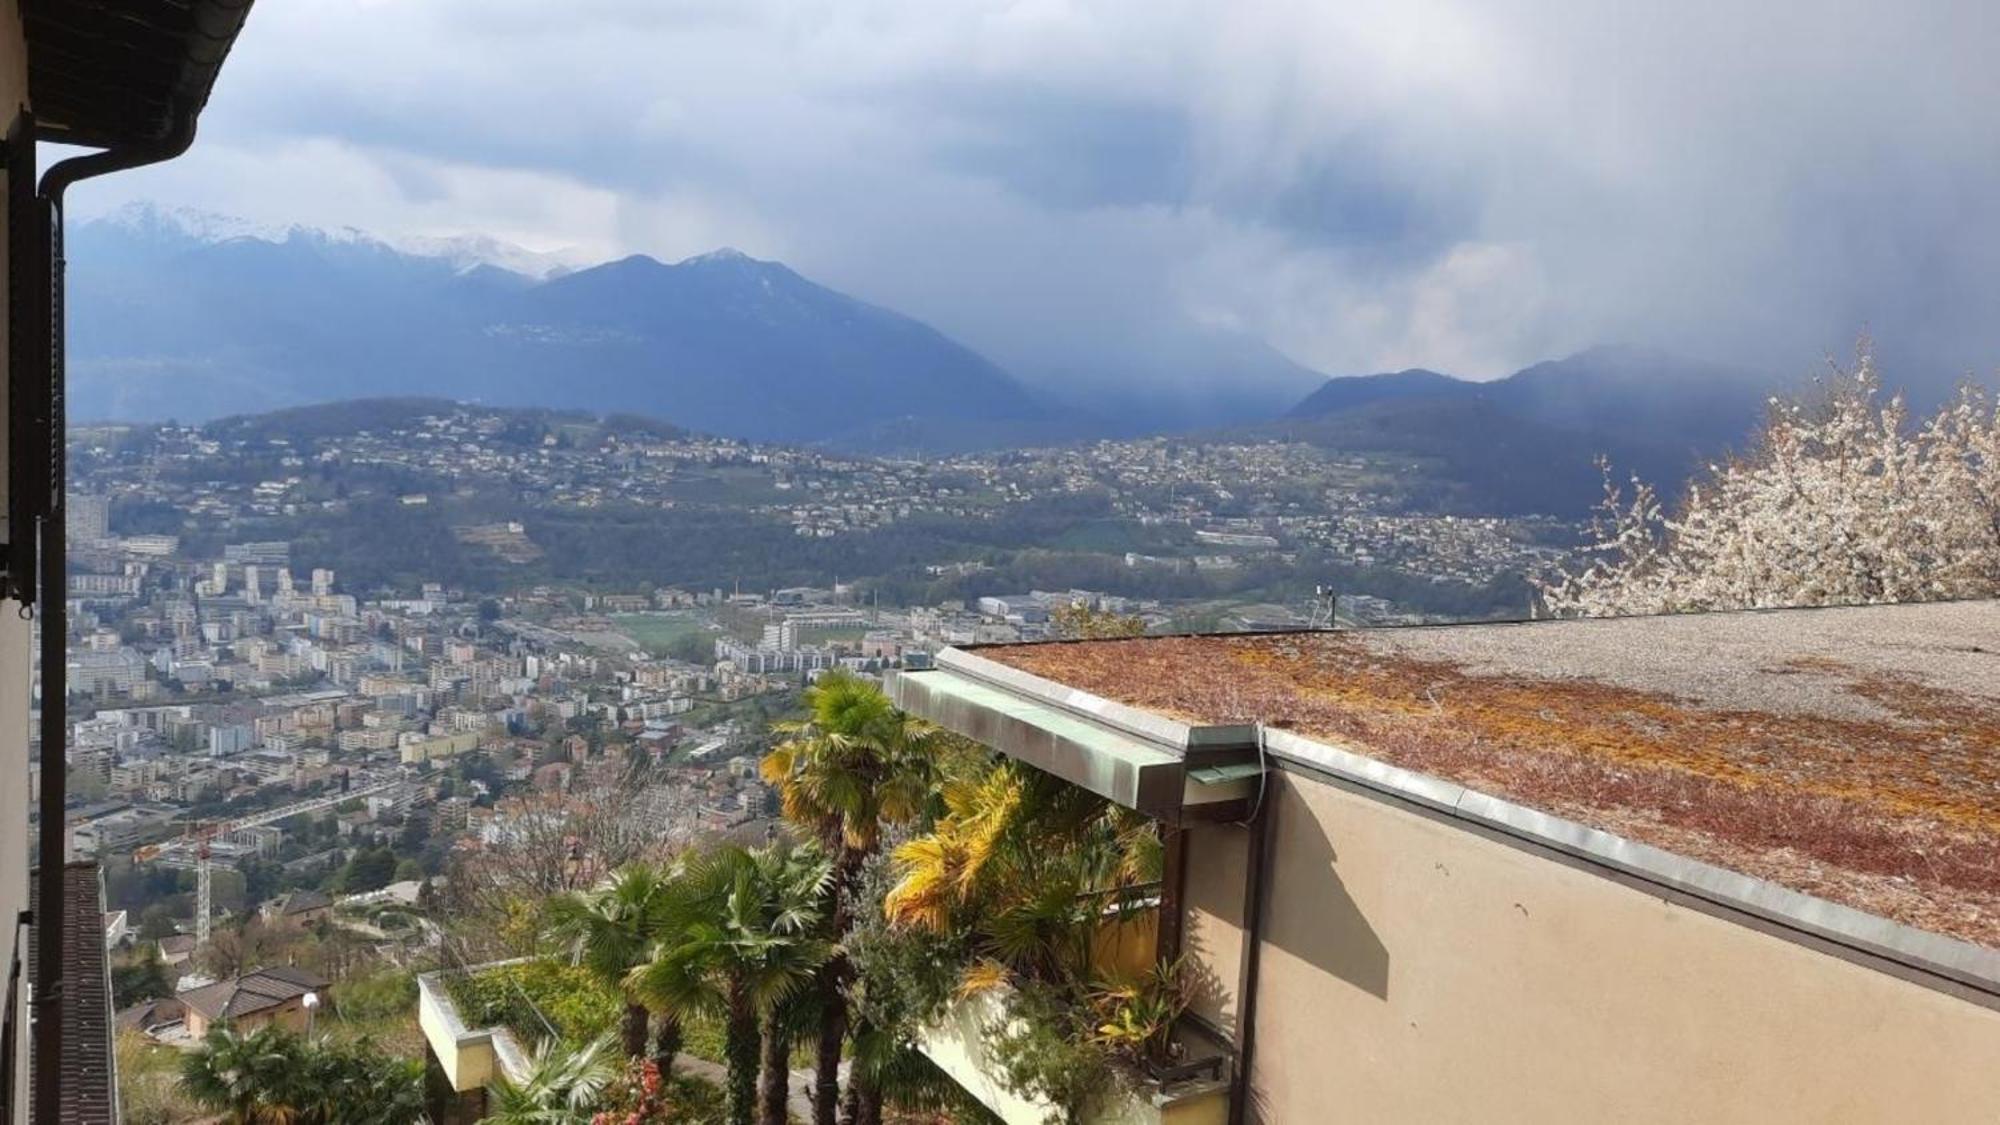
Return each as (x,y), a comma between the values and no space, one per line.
(1852,754)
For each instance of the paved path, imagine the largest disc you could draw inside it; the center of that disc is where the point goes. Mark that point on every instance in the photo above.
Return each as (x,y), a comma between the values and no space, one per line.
(799,1104)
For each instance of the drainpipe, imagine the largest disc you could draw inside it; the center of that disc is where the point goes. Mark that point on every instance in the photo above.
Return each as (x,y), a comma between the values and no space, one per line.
(1255,881)
(48,323)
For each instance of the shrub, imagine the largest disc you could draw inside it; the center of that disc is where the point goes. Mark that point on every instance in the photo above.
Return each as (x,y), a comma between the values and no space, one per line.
(573,1002)
(389,994)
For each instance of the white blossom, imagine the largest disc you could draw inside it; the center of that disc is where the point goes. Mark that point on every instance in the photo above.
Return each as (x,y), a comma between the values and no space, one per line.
(1840,501)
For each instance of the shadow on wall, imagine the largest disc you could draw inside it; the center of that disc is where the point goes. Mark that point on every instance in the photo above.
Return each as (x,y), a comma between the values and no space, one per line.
(1205,991)
(1308,912)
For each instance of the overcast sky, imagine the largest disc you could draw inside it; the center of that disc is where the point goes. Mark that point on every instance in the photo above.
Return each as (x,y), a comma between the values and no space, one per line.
(1065,184)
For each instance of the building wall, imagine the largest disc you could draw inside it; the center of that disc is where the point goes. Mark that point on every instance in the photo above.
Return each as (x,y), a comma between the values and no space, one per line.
(1416,971)
(15,637)
(291,1015)
(1214,901)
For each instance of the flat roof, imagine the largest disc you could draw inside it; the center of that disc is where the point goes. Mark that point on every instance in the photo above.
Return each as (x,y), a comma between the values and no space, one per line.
(1848,754)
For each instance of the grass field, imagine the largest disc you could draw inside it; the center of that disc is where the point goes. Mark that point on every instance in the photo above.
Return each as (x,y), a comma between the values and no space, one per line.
(657,632)
(729,486)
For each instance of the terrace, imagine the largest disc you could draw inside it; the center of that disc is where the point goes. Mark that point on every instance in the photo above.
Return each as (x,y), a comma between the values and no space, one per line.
(1849,754)
(468,1057)
(1826,778)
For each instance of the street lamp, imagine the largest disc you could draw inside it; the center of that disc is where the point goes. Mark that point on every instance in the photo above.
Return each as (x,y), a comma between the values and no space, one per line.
(312,1009)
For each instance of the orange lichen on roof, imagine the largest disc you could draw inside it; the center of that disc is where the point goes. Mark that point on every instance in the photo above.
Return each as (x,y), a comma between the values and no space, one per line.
(1891,806)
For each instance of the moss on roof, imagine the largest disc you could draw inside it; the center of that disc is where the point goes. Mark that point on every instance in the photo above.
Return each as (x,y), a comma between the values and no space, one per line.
(1864,770)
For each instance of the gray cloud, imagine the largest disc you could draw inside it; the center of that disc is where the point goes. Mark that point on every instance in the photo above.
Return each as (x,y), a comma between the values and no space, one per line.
(1083,187)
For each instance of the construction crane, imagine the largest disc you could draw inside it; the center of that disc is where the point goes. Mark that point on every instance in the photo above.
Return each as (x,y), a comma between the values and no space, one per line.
(193,847)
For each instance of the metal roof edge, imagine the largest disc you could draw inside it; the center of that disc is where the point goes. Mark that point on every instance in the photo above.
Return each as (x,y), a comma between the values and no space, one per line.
(1961,962)
(1151,726)
(1136,772)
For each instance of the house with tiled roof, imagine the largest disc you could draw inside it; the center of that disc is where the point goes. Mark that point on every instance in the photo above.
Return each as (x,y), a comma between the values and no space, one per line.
(275,995)
(299,908)
(176,949)
(148,1016)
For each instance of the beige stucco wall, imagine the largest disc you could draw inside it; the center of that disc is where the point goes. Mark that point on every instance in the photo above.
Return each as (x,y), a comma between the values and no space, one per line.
(1414,971)
(291,1016)
(468,1062)
(1213,941)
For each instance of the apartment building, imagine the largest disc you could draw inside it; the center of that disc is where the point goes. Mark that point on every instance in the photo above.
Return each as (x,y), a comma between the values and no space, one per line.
(1716,868)
(124,81)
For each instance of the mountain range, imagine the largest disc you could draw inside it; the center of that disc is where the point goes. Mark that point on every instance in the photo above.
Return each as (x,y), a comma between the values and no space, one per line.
(1530,442)
(167,322)
(191,318)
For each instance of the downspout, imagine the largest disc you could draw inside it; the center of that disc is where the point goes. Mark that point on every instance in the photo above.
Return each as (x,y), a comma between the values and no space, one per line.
(54,612)
(1254,883)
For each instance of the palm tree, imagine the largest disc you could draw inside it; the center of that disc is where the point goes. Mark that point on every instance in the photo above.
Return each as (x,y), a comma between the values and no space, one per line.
(273,1076)
(754,952)
(1027,865)
(562,1086)
(356,1083)
(242,1074)
(856,766)
(612,928)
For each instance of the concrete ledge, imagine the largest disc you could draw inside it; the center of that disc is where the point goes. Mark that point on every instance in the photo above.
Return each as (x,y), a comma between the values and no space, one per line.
(471,1058)
(955,1043)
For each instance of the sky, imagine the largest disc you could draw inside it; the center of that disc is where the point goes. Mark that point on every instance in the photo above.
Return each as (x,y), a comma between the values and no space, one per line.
(1143,189)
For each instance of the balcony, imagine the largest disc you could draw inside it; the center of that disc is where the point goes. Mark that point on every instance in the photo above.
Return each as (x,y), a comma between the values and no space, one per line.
(468,1058)
(1186,780)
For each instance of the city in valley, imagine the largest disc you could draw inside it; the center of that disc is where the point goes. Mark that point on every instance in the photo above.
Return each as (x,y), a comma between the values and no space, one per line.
(327,662)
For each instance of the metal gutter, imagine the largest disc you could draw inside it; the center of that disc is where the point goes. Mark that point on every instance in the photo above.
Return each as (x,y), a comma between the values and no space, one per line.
(1188,740)
(1256,882)
(1171,771)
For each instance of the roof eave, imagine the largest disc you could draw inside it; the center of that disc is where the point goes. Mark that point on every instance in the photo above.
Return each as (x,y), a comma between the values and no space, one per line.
(122,73)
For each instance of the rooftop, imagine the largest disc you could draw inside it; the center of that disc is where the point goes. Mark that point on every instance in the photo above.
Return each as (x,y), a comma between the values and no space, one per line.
(110,72)
(252,992)
(300,902)
(85,1089)
(1851,754)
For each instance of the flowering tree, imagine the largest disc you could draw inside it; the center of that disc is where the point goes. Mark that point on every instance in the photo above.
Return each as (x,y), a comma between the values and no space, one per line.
(1841,500)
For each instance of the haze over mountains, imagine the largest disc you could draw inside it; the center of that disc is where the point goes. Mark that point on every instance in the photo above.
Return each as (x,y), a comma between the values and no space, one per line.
(183,317)
(1529,442)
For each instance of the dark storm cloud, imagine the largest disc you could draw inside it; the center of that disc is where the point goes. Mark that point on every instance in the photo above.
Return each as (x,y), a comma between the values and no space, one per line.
(1087,187)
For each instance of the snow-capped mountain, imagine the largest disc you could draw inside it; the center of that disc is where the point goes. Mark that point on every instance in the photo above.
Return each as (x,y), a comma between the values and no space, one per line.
(463,252)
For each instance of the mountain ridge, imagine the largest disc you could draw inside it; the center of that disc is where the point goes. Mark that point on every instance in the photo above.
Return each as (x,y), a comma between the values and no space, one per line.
(256,319)
(1528,441)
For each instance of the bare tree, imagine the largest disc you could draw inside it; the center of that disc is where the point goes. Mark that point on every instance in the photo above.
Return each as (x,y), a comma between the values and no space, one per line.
(540,844)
